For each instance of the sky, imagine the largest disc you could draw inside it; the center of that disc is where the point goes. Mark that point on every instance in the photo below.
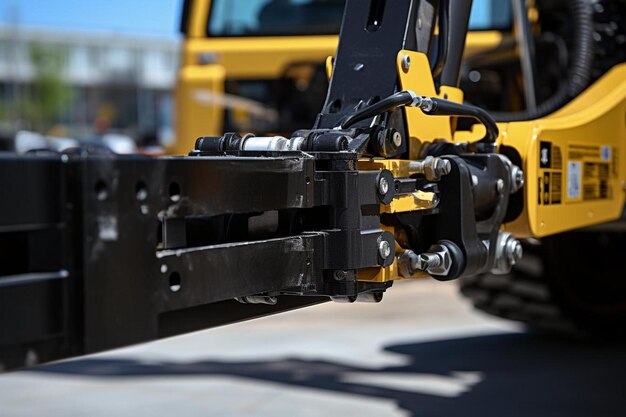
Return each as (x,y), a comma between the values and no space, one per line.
(145,17)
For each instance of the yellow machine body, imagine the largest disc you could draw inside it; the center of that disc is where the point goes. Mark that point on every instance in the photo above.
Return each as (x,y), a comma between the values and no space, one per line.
(200,84)
(573,159)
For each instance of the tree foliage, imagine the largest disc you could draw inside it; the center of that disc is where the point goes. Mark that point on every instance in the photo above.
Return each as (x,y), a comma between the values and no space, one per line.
(49,94)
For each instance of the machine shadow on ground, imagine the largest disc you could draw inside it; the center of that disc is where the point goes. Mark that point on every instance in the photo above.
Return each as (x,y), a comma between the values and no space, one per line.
(499,375)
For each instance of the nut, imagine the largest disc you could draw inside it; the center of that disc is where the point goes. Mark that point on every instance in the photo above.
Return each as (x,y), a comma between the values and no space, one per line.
(437,261)
(432,168)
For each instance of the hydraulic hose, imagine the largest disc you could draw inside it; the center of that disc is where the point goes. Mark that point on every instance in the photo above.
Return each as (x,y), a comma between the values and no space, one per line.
(430,106)
(580,67)
(401,98)
(442,107)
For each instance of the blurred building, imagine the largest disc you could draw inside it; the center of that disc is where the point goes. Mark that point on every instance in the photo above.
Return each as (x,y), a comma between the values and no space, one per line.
(121,83)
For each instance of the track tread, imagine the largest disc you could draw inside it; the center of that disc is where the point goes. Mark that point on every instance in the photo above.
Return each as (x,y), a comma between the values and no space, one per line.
(521,295)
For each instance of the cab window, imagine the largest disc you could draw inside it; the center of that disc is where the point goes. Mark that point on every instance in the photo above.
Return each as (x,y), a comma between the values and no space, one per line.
(275,17)
(317,17)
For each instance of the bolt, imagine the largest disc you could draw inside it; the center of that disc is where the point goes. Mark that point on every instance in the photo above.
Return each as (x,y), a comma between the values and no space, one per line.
(406,62)
(500,186)
(383,186)
(432,168)
(514,251)
(340,275)
(437,261)
(509,251)
(428,260)
(384,249)
(517,175)
(396,138)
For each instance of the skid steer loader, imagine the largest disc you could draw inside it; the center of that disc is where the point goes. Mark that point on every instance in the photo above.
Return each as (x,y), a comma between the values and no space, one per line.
(398,176)
(286,87)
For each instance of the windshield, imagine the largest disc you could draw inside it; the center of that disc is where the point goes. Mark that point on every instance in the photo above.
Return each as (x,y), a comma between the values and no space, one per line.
(317,17)
(275,17)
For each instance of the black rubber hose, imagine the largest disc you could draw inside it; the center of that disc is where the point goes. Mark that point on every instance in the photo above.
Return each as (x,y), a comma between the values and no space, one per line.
(442,43)
(580,67)
(401,98)
(439,107)
(449,108)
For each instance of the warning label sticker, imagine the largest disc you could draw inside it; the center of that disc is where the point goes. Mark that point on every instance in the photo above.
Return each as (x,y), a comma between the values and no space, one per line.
(574,179)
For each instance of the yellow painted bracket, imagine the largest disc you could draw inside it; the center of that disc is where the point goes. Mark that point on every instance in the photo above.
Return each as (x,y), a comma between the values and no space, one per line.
(416,77)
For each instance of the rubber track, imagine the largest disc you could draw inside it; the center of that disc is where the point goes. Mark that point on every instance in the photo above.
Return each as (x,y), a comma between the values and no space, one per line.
(522,295)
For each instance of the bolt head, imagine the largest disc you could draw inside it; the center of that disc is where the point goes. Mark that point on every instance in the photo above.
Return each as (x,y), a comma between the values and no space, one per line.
(406,62)
(517,177)
(383,186)
(515,251)
(340,275)
(396,138)
(500,186)
(384,249)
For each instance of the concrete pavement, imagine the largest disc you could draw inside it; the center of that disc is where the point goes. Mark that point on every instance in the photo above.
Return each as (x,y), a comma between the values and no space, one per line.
(423,351)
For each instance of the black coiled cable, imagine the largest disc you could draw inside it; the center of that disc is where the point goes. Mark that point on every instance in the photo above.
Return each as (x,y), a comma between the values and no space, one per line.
(580,67)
